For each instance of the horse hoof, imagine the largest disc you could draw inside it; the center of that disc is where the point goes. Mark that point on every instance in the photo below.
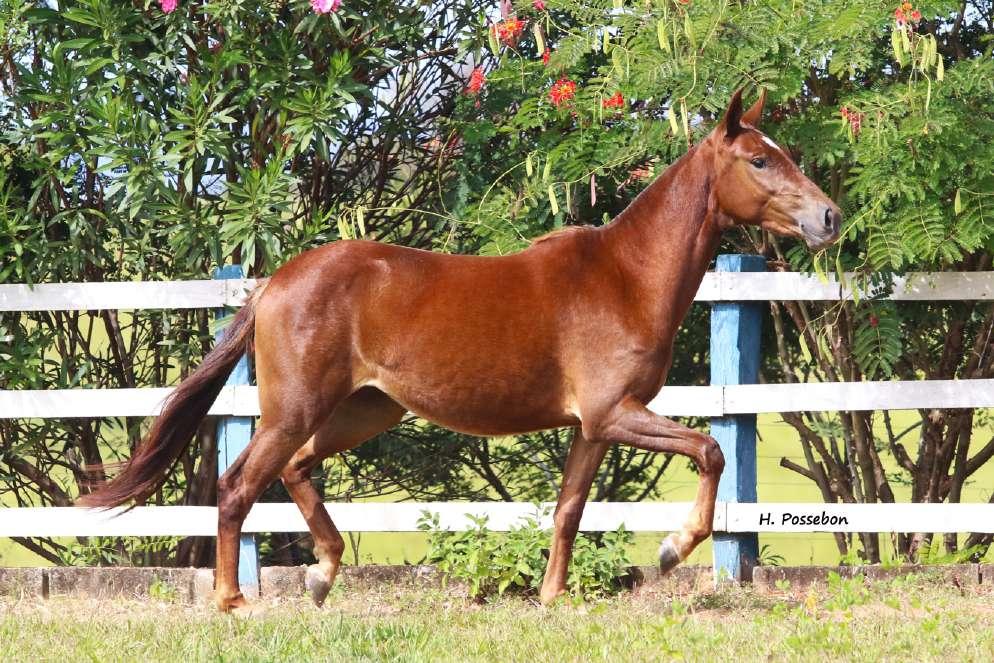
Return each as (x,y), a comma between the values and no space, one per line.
(548,598)
(231,604)
(317,585)
(668,556)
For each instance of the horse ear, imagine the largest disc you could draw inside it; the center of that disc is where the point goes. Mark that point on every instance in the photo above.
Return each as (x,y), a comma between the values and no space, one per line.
(731,125)
(754,115)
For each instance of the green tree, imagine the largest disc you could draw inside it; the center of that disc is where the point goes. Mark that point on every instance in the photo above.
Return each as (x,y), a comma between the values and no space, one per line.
(884,104)
(141,140)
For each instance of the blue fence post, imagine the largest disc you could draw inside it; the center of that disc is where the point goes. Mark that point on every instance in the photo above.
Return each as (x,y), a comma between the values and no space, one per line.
(735,334)
(233,435)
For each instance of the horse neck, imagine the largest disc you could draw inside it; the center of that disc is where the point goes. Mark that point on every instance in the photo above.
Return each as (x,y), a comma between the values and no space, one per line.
(667,237)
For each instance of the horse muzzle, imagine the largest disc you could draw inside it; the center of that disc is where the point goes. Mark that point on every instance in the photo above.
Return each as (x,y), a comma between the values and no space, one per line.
(820,225)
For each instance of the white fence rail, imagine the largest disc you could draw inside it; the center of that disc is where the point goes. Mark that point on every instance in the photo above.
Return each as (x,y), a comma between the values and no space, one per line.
(398,517)
(597,516)
(717,286)
(708,401)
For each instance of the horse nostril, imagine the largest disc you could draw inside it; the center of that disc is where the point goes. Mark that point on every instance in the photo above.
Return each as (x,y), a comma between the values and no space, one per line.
(833,219)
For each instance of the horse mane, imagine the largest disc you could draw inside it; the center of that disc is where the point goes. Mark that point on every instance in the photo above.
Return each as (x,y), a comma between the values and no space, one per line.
(559,233)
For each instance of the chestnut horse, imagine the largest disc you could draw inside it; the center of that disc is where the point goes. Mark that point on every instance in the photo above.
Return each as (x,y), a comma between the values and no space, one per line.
(576,330)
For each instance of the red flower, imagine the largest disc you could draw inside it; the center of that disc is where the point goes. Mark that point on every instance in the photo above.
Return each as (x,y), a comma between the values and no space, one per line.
(476,81)
(545,56)
(874,321)
(614,101)
(538,5)
(641,173)
(916,16)
(509,31)
(562,92)
(855,119)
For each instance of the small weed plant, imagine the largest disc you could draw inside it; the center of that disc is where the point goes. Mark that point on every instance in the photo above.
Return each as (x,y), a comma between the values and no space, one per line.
(769,558)
(163,591)
(494,562)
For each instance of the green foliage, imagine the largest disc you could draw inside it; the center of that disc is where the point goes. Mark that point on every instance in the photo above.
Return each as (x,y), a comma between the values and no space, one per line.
(845,593)
(493,562)
(140,145)
(767,557)
(895,159)
(163,591)
(934,555)
(111,551)
(877,344)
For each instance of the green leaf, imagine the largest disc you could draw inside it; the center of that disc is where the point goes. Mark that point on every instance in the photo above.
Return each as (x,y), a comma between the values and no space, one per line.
(664,42)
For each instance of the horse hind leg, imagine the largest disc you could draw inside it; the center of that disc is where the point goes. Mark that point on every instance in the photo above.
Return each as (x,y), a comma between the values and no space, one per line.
(239,487)
(362,415)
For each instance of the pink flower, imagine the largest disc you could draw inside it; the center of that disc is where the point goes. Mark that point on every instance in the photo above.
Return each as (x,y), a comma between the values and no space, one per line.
(168,6)
(325,6)
(538,5)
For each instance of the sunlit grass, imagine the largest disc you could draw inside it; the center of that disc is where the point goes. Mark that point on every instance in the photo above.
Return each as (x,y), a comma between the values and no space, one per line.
(904,619)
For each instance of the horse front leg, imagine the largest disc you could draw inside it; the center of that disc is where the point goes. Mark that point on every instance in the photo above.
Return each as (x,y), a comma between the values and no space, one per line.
(631,423)
(582,461)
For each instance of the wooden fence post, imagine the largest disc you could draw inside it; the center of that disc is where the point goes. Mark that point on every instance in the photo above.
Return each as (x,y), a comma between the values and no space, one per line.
(233,435)
(735,355)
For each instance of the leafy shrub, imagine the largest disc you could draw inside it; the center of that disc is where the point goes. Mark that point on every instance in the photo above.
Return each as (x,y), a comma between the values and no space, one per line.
(161,590)
(114,551)
(492,562)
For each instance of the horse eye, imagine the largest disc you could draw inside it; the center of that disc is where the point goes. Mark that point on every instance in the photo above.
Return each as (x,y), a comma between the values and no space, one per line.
(759,162)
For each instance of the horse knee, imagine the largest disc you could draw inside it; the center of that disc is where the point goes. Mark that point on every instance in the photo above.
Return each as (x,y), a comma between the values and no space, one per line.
(712,459)
(293,475)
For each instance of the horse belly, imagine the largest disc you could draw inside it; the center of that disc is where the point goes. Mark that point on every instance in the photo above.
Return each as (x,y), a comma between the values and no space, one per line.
(480,402)
(470,345)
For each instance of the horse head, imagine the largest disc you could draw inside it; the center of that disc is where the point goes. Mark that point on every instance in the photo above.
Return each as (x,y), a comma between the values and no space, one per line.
(757,183)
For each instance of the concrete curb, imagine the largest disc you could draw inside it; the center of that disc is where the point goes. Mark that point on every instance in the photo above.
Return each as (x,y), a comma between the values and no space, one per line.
(684,578)
(986,574)
(121,582)
(22,583)
(287,582)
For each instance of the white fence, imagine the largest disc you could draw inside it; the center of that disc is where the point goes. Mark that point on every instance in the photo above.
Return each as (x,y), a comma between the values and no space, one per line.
(393,517)
(730,517)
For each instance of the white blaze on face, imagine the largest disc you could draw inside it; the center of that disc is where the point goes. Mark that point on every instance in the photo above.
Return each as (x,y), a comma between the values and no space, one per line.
(769,141)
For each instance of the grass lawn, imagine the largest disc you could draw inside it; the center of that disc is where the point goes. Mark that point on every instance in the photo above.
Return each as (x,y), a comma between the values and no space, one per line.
(903,619)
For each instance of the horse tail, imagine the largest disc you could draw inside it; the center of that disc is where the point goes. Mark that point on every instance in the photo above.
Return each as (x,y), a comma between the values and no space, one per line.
(181,414)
